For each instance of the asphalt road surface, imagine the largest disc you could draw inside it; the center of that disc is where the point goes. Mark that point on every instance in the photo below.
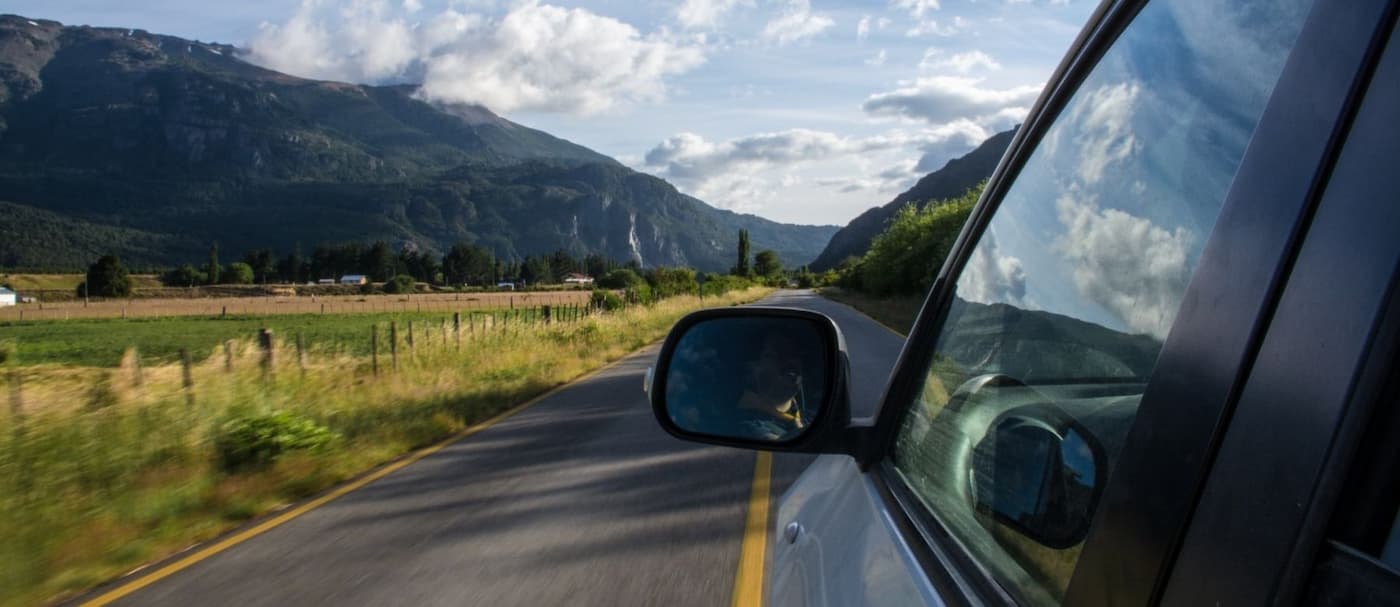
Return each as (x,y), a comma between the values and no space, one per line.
(580,499)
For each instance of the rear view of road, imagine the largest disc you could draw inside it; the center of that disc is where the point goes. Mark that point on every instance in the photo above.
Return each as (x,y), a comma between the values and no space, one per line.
(580,499)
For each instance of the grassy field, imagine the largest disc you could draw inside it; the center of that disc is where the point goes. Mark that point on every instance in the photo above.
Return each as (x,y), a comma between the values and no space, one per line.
(267,305)
(24,282)
(103,342)
(897,313)
(105,468)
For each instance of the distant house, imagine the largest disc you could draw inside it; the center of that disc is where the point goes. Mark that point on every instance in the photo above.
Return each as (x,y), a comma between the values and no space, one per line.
(7,297)
(578,279)
(353,279)
(326,281)
(509,286)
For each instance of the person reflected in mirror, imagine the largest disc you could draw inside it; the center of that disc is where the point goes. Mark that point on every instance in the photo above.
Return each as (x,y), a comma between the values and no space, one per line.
(772,403)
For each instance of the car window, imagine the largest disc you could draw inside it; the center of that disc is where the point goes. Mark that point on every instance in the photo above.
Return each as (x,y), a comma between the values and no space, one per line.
(1061,310)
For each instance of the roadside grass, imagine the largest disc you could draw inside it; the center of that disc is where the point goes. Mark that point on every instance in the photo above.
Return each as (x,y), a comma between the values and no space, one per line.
(897,313)
(120,472)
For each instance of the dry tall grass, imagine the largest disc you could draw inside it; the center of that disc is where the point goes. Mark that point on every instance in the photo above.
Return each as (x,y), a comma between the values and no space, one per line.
(104,469)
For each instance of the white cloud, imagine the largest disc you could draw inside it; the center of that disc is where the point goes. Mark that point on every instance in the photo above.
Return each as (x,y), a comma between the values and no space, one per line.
(916,8)
(740,173)
(961,63)
(943,99)
(1105,136)
(992,277)
(797,22)
(878,59)
(535,57)
(696,14)
(863,28)
(1132,267)
(927,27)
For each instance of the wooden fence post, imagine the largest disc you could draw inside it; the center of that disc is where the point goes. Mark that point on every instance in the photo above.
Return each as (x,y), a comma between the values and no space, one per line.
(187,378)
(457,328)
(374,349)
(228,356)
(301,353)
(394,345)
(136,378)
(544,314)
(411,346)
(266,344)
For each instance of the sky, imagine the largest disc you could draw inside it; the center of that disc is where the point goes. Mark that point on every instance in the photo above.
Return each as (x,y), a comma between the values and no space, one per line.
(800,111)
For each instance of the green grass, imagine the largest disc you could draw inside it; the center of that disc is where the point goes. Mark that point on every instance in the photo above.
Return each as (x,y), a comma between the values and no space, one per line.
(103,471)
(102,342)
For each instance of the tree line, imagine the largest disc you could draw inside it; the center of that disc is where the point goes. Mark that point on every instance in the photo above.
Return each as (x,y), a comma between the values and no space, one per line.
(401,269)
(463,265)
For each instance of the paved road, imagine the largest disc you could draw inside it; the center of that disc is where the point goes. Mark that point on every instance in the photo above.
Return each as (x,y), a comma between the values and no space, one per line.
(581,499)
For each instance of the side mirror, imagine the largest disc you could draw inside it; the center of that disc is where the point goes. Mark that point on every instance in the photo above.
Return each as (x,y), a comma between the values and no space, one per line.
(764,378)
(1038,476)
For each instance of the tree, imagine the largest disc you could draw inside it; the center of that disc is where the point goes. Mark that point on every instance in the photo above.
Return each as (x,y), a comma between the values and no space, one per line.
(766,264)
(741,267)
(239,273)
(211,271)
(380,262)
(184,276)
(906,257)
(403,283)
(106,278)
(596,265)
(536,270)
(263,264)
(291,267)
(469,264)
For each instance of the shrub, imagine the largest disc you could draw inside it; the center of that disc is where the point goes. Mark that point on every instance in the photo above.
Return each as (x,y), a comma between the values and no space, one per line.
(606,300)
(248,442)
(184,276)
(402,283)
(670,282)
(904,259)
(237,273)
(621,278)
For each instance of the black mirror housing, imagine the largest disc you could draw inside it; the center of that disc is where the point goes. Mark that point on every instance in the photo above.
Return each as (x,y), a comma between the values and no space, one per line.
(767,378)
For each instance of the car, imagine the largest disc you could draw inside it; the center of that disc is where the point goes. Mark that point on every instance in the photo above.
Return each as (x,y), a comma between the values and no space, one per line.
(1159,364)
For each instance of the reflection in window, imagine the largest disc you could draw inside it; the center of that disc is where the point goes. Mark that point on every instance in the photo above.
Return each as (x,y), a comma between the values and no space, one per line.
(1062,308)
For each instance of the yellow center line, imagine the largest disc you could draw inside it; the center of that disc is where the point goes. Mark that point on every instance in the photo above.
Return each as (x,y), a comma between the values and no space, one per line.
(124,589)
(748,581)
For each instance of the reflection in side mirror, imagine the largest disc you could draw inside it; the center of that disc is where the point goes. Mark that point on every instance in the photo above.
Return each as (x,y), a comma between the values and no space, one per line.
(761,377)
(1040,480)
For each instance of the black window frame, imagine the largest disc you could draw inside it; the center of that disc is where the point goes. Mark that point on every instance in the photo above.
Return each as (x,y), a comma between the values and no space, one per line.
(1307,411)
(1129,552)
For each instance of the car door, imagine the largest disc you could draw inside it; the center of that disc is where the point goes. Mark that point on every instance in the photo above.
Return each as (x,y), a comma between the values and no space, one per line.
(1056,410)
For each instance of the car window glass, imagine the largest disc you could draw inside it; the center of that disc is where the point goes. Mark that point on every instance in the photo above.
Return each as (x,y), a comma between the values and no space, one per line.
(1063,306)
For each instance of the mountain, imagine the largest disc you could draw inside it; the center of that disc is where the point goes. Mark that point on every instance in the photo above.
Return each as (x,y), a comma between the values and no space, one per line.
(153,146)
(950,181)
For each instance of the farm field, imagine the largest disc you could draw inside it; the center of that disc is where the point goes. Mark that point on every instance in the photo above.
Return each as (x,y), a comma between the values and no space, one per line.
(273,305)
(68,282)
(102,342)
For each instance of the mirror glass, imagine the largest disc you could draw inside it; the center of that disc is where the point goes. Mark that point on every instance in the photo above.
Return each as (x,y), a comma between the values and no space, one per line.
(1039,481)
(749,378)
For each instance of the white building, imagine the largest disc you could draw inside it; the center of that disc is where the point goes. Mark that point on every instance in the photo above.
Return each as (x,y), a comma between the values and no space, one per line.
(7,297)
(353,279)
(578,279)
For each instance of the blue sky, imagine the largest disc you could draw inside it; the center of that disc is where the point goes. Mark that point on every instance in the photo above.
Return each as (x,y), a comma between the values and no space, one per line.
(802,111)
